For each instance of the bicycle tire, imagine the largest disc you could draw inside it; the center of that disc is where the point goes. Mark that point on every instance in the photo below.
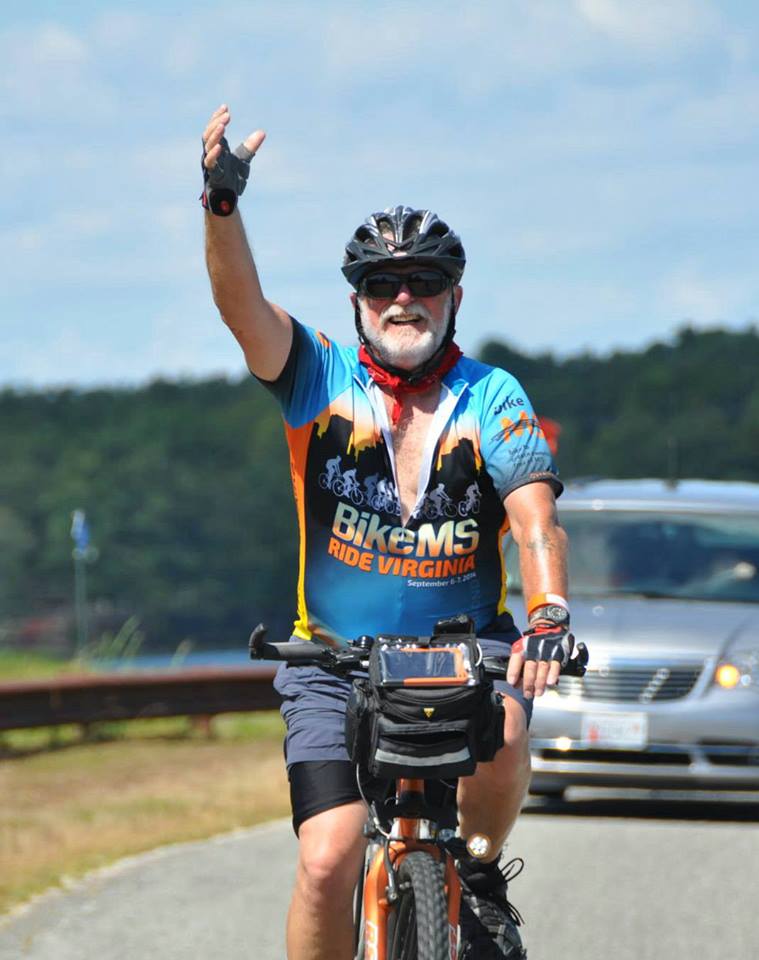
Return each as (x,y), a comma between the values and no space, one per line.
(418,925)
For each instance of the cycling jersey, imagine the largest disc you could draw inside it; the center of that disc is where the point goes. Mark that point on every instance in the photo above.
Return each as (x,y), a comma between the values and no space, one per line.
(361,569)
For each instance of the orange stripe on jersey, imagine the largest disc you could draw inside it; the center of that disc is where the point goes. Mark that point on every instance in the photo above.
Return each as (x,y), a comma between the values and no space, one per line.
(298,440)
(505,527)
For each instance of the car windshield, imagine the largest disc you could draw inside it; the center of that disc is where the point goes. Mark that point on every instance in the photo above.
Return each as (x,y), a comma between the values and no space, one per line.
(694,556)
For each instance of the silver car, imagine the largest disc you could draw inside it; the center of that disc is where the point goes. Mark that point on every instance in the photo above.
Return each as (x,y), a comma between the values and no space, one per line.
(665,592)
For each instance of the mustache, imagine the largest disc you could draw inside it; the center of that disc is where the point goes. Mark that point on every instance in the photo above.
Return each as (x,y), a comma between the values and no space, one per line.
(397,312)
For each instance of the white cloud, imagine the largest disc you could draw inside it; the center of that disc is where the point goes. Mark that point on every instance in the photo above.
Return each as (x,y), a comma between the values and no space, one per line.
(716,119)
(690,293)
(650,24)
(185,52)
(114,30)
(54,45)
(48,76)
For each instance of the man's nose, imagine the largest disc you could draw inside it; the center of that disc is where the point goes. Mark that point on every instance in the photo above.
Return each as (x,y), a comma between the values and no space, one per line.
(404,295)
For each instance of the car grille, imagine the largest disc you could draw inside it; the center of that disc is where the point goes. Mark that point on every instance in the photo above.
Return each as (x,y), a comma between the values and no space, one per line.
(661,757)
(621,683)
(731,754)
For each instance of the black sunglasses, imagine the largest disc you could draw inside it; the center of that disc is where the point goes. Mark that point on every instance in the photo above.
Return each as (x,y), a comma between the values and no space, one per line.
(421,283)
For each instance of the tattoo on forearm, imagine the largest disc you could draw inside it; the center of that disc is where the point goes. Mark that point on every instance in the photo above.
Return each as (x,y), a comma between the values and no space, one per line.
(541,544)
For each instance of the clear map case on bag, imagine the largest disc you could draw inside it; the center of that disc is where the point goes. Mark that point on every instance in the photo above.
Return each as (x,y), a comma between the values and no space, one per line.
(413,665)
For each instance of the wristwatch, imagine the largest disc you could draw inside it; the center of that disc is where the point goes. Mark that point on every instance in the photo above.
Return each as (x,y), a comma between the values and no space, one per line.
(553,612)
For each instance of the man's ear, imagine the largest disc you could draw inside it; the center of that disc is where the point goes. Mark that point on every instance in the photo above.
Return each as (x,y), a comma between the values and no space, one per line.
(458,293)
(353,299)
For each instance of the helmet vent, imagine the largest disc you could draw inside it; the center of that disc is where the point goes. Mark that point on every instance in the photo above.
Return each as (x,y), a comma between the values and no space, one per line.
(365,235)
(411,226)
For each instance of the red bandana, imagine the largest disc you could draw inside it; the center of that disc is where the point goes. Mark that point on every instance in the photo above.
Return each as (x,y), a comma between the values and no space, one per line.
(399,386)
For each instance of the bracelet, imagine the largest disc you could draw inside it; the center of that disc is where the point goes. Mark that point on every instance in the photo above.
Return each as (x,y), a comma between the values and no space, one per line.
(544,600)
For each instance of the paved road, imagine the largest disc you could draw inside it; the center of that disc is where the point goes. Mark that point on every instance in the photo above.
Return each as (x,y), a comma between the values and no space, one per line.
(631,882)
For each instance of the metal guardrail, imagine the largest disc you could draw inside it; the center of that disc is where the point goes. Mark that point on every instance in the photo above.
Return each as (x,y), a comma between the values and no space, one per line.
(123,696)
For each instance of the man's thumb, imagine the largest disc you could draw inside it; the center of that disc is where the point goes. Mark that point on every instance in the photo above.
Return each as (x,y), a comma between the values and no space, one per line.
(254,141)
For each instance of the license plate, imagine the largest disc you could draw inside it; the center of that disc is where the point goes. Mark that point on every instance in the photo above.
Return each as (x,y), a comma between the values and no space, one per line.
(615,729)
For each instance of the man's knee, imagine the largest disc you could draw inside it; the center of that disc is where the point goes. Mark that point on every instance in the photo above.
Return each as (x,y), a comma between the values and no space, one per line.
(514,759)
(331,849)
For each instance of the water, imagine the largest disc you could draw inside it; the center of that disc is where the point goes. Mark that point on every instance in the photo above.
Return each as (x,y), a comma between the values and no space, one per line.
(192,660)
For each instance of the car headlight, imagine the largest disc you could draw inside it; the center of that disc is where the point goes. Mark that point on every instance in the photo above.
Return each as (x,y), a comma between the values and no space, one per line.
(740,668)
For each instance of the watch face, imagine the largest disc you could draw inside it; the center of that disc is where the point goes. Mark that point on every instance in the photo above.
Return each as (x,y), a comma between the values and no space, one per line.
(556,613)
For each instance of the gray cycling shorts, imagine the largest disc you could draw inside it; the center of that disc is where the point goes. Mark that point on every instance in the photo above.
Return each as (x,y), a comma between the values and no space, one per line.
(313,702)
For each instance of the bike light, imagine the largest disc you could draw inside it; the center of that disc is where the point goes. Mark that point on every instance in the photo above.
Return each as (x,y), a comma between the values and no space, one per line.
(478,846)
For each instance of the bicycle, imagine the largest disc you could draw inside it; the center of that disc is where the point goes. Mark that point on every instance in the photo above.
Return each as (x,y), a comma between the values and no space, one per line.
(408,895)
(442,508)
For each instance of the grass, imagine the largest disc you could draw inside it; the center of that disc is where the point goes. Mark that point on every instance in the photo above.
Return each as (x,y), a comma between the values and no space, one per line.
(15,665)
(71,804)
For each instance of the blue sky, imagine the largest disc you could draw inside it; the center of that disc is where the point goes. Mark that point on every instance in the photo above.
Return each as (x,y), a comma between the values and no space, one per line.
(598,158)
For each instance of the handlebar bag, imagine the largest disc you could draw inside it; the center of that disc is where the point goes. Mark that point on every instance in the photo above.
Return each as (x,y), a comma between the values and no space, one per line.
(427,710)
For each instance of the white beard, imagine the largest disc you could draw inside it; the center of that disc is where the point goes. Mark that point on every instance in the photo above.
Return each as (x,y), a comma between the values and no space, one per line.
(404,347)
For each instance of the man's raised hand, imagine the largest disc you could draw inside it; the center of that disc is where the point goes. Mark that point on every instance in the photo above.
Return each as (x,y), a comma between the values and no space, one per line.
(225,173)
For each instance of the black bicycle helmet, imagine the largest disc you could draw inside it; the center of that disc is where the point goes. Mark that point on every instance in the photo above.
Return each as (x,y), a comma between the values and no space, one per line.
(416,236)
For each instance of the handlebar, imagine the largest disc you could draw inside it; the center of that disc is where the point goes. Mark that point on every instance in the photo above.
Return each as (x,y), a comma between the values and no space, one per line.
(344,660)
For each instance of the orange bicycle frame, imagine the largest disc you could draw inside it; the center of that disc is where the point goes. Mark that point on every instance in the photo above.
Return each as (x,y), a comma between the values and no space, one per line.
(377,908)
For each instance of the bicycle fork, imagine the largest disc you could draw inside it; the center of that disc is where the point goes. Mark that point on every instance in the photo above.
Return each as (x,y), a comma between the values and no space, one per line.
(380,884)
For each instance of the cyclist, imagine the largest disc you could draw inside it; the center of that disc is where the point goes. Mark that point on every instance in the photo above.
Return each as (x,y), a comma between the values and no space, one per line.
(407,406)
(350,483)
(333,469)
(370,486)
(439,500)
(472,498)
(386,495)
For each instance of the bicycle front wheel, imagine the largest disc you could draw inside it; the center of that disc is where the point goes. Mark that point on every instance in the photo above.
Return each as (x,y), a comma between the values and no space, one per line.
(418,926)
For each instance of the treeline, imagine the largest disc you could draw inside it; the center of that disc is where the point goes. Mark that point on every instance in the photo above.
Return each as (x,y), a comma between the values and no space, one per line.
(187,492)
(689,408)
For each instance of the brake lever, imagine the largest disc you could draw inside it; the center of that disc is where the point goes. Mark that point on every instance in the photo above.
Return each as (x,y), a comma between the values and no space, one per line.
(578,664)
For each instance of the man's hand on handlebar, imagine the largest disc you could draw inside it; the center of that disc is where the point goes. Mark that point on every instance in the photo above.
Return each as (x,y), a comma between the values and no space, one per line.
(538,657)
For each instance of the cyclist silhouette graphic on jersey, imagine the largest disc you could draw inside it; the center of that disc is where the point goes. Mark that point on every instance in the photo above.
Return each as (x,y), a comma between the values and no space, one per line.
(346,485)
(471,501)
(370,486)
(333,468)
(349,481)
(439,504)
(331,476)
(386,497)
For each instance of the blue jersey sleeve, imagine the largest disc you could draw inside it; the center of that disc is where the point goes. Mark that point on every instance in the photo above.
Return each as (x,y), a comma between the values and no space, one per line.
(316,371)
(513,444)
